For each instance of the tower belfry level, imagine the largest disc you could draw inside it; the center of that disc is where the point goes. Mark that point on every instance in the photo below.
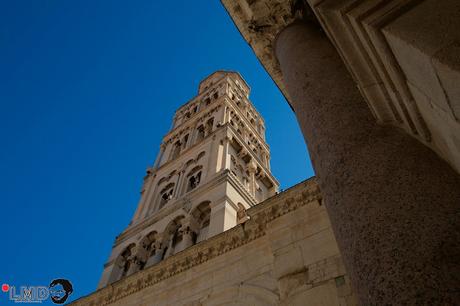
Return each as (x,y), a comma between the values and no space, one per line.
(213,164)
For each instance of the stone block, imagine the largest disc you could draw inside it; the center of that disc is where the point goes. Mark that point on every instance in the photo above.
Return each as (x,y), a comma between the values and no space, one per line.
(286,261)
(318,247)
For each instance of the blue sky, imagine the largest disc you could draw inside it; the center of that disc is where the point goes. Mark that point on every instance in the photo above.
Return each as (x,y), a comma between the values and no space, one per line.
(87,90)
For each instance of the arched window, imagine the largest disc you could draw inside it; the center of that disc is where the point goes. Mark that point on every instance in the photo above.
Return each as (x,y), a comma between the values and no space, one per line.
(122,264)
(126,260)
(166,195)
(153,251)
(202,216)
(200,133)
(184,142)
(176,150)
(209,125)
(172,237)
(193,178)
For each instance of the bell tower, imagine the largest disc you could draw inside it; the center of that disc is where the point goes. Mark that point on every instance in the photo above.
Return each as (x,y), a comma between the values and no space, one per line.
(213,164)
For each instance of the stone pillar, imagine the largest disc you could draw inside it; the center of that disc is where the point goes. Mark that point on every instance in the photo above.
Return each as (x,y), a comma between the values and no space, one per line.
(393,203)
(252,178)
(223,217)
(193,134)
(225,155)
(178,187)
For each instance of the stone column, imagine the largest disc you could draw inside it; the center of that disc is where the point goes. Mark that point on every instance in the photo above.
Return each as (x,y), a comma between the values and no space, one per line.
(178,187)
(252,178)
(193,134)
(226,114)
(393,203)
(225,155)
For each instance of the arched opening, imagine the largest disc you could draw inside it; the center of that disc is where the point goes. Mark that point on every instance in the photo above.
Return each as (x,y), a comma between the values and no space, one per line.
(172,237)
(123,264)
(202,217)
(176,150)
(210,125)
(194,178)
(184,142)
(153,249)
(166,195)
(200,133)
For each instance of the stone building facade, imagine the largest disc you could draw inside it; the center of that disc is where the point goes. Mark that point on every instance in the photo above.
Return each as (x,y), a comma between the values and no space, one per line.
(375,88)
(283,253)
(213,164)
(211,227)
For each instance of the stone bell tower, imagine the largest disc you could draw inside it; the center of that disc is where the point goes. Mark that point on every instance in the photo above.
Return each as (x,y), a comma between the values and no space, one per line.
(213,164)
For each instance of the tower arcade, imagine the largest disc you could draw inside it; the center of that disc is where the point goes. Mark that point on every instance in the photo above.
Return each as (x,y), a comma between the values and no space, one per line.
(213,164)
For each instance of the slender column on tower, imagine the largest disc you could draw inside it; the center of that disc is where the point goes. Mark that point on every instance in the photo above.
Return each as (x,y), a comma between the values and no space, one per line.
(252,178)
(177,187)
(393,203)
(225,153)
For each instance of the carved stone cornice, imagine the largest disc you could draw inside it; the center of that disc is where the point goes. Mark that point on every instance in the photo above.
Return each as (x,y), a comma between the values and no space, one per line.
(260,215)
(177,204)
(357,30)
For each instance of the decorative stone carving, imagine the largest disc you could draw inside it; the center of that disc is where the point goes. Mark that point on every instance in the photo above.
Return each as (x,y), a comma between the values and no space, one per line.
(241,215)
(306,193)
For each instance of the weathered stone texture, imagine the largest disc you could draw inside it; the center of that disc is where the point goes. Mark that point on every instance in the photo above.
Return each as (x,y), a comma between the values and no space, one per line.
(213,164)
(393,203)
(250,264)
(390,48)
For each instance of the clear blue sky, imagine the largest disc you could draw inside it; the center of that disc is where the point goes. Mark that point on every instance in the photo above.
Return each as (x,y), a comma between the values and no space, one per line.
(87,90)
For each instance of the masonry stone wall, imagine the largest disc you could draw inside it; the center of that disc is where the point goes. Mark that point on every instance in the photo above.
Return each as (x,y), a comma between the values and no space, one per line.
(284,254)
